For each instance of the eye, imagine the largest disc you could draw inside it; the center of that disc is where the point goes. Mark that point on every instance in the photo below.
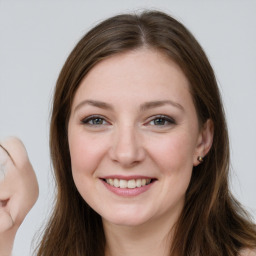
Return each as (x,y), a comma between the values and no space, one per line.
(94,120)
(161,120)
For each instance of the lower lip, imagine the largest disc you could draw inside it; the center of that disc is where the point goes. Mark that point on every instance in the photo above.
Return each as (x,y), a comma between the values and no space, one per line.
(128,192)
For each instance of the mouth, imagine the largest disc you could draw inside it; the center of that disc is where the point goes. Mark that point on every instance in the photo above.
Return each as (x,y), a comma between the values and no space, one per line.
(128,184)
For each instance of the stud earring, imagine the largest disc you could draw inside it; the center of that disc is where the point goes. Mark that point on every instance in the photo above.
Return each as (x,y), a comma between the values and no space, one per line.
(200,159)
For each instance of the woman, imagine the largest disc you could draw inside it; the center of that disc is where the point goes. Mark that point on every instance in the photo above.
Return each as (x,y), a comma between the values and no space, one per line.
(109,129)
(139,146)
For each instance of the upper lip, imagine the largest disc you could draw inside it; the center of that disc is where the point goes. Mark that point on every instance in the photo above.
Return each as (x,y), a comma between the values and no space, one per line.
(131,177)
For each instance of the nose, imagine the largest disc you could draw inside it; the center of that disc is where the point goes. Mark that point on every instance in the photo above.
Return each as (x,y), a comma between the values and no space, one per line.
(127,147)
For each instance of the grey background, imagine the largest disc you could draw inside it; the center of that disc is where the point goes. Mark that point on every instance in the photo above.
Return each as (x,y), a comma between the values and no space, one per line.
(37,36)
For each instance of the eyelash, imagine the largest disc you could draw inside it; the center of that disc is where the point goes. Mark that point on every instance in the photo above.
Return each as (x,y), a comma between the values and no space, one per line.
(163,118)
(166,119)
(92,118)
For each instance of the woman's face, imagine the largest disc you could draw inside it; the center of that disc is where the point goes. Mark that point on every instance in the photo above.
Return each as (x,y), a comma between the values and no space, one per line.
(134,138)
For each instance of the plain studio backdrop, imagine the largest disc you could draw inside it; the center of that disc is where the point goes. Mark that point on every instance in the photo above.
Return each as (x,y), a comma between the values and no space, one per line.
(37,36)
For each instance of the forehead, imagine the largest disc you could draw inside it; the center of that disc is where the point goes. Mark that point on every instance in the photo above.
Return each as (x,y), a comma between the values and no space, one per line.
(142,73)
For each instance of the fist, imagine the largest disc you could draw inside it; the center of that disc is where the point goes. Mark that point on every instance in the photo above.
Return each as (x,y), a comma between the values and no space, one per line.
(18,188)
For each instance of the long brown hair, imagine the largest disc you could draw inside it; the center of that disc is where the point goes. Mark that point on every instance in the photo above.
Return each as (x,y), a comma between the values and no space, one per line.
(212,222)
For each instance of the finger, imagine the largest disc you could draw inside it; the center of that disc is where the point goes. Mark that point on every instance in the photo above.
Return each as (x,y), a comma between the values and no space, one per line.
(4,155)
(15,150)
(6,221)
(3,160)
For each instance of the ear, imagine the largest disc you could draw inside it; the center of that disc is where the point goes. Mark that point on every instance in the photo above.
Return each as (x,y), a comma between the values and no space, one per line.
(204,141)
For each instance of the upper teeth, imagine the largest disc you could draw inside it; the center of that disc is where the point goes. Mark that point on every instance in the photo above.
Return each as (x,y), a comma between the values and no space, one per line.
(134,183)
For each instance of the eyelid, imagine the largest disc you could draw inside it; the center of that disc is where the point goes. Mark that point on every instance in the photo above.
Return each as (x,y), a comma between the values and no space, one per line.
(86,119)
(170,120)
(165,117)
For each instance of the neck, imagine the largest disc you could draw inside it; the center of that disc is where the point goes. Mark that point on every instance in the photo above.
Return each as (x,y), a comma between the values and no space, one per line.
(151,238)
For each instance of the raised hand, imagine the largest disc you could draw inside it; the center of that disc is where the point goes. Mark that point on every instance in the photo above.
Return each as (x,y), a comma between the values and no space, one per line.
(18,190)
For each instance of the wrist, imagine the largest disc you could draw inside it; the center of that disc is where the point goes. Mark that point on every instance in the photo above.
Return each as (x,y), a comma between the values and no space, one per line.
(6,242)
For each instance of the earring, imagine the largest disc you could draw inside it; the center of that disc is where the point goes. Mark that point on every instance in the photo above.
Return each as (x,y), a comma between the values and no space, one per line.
(200,159)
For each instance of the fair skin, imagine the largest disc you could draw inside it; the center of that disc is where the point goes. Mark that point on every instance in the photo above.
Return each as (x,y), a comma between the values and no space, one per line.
(248,252)
(18,190)
(131,142)
(133,117)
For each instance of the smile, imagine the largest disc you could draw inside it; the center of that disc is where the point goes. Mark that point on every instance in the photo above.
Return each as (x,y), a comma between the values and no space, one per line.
(132,183)
(128,186)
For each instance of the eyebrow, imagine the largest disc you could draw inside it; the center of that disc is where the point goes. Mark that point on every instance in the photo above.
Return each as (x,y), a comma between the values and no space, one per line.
(143,107)
(160,103)
(95,103)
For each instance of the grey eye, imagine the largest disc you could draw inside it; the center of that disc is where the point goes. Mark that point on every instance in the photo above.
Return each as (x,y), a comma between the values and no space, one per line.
(160,121)
(96,121)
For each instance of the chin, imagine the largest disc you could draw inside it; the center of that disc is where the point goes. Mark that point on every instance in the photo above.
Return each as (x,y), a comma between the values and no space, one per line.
(126,222)
(126,219)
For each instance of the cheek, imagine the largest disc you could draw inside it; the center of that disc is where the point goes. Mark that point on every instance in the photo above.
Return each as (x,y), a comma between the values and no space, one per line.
(86,152)
(174,160)
(174,153)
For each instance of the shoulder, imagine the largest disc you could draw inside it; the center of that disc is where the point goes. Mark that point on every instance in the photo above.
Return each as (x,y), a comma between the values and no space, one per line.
(248,252)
